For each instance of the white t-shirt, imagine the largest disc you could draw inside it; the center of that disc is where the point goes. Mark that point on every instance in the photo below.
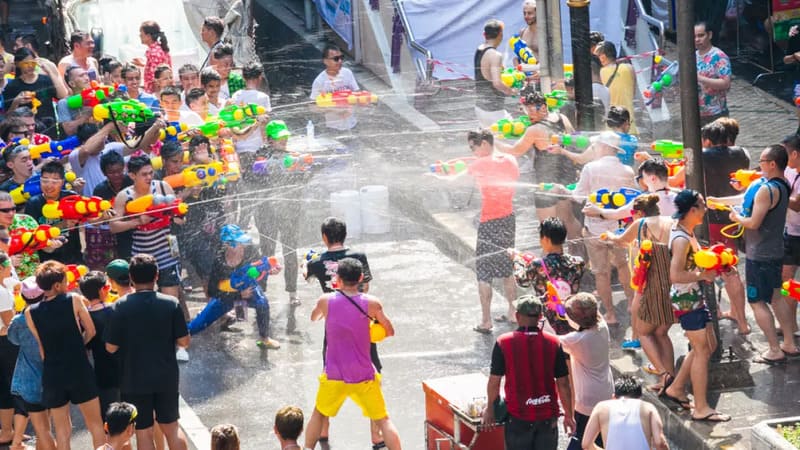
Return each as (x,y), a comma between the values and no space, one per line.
(591,372)
(340,119)
(246,96)
(792,217)
(90,171)
(6,301)
(191,118)
(606,172)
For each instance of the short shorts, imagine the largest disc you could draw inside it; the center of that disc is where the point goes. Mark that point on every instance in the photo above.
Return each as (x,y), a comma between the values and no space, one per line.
(763,277)
(171,276)
(494,238)
(602,256)
(164,404)
(791,250)
(58,396)
(696,319)
(367,395)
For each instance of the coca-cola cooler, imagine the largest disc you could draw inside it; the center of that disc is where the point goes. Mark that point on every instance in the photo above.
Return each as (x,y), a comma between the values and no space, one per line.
(453,408)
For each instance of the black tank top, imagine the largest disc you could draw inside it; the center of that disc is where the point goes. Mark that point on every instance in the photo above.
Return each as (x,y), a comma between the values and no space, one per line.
(65,360)
(550,167)
(487,97)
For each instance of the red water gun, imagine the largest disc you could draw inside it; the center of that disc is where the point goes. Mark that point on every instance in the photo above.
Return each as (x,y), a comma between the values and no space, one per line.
(642,265)
(28,241)
(717,257)
(91,96)
(74,273)
(162,208)
(75,207)
(791,288)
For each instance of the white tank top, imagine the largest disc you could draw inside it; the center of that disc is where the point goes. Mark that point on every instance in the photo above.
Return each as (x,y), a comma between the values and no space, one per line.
(625,426)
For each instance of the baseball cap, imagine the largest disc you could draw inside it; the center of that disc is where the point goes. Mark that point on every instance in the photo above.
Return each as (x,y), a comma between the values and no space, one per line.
(232,234)
(276,129)
(30,289)
(117,270)
(529,305)
(684,202)
(609,138)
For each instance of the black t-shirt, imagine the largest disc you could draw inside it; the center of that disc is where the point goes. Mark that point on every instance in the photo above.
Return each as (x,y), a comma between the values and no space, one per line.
(45,92)
(106,365)
(124,239)
(70,252)
(325,266)
(498,366)
(222,271)
(718,163)
(145,326)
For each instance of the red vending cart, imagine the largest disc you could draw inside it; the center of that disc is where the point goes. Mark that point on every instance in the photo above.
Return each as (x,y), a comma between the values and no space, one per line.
(449,423)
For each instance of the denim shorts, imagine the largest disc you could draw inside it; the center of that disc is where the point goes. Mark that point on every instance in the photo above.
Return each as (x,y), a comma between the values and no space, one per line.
(696,319)
(763,277)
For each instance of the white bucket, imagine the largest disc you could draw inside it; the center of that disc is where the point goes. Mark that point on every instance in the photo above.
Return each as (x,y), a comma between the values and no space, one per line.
(346,205)
(375,209)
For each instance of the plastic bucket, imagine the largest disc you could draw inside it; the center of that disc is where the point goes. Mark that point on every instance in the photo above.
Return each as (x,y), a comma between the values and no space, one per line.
(375,209)
(346,205)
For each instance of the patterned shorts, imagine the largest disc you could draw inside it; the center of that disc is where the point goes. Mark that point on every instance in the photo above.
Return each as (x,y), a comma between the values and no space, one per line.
(494,238)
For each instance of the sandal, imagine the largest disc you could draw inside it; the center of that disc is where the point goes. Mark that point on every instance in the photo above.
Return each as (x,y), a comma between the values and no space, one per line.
(713,417)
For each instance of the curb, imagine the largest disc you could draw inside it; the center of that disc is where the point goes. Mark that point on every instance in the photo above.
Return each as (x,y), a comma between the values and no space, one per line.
(197,435)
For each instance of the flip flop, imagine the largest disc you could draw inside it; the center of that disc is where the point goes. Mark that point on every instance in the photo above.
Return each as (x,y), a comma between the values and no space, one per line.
(668,379)
(772,362)
(684,403)
(713,417)
(481,330)
(791,354)
(502,318)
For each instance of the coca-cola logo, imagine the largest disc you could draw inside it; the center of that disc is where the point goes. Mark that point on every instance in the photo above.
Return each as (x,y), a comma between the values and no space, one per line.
(538,401)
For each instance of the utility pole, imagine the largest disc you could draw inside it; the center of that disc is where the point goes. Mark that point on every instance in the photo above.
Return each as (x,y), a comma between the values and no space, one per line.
(548,26)
(581,61)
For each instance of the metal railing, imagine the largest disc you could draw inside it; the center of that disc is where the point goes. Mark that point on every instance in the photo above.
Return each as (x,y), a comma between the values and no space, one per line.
(652,21)
(424,69)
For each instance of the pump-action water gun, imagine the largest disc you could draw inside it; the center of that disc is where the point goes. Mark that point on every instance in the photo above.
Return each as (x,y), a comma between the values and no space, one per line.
(75,207)
(346,98)
(28,241)
(571,140)
(54,149)
(745,177)
(664,80)
(791,288)
(126,111)
(642,265)
(521,50)
(668,149)
(718,257)
(208,129)
(32,186)
(161,207)
(249,275)
(556,99)
(512,78)
(205,175)
(91,96)
(511,128)
(613,199)
(554,302)
(237,116)
(74,274)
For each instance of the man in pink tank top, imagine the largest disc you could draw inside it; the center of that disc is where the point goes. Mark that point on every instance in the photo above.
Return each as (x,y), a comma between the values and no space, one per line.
(349,373)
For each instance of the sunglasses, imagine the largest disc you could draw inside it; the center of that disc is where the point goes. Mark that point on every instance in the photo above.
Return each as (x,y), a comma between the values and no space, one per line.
(336,58)
(7,211)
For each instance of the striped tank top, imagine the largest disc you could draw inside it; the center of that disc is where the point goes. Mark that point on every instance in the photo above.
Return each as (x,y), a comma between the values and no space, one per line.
(154,242)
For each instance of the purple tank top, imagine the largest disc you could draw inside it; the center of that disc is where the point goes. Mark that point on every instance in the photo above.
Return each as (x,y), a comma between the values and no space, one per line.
(347,330)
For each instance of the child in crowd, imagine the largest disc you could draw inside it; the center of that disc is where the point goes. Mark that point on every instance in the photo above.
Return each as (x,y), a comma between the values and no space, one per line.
(225,437)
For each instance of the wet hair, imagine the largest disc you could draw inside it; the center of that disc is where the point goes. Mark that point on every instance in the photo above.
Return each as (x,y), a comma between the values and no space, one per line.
(596,37)
(617,116)
(143,269)
(49,273)
(223,50)
(197,141)
(532,97)
(68,73)
(582,309)
(77,37)
(715,132)
(731,126)
(252,70)
(86,130)
(22,53)
(778,154)
(492,28)
(92,283)
(627,386)
(129,68)
(119,416)
(170,149)
(608,49)
(170,90)
(349,271)
(151,28)
(214,24)
(11,123)
(647,204)
(208,75)
(108,64)
(11,152)
(475,137)
(289,422)
(225,437)
(330,48)
(136,163)
(109,159)
(684,201)
(554,229)
(655,167)
(160,69)
(334,230)
(53,167)
(792,143)
(194,94)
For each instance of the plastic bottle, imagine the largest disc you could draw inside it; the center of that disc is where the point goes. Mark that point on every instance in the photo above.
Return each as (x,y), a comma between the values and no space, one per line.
(310,133)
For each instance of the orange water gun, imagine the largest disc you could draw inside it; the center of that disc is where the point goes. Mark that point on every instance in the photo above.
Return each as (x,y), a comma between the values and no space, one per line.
(642,265)
(161,207)
(204,175)
(75,207)
(745,177)
(718,257)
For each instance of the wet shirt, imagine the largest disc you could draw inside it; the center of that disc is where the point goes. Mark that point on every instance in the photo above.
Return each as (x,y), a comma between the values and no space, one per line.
(487,97)
(718,163)
(714,64)
(766,242)
(495,176)
(550,167)
(221,271)
(607,172)
(337,119)
(324,268)
(70,252)
(591,370)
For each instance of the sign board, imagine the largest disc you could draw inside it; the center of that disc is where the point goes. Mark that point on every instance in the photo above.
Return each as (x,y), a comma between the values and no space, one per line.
(339,15)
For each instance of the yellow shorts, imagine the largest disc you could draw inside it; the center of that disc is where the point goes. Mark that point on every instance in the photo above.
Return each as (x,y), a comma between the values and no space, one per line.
(367,395)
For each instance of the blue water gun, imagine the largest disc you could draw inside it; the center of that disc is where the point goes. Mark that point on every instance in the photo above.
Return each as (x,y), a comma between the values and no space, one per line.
(613,199)
(249,275)
(32,186)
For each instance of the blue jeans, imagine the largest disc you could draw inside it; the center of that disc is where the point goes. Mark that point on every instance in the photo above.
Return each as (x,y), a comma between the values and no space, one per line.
(217,308)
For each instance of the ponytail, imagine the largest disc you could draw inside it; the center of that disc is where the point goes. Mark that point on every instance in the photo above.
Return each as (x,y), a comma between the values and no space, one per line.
(162,40)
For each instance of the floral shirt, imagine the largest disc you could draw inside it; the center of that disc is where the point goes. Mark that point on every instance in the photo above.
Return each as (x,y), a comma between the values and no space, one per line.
(714,64)
(560,267)
(28,261)
(155,55)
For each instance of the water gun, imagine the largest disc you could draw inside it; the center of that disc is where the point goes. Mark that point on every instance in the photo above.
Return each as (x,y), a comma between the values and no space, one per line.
(230,164)
(74,273)
(32,186)
(249,275)
(91,96)
(452,167)
(750,196)
(35,102)
(75,207)
(642,265)
(745,177)
(791,288)
(161,207)
(346,98)
(28,241)
(521,50)
(663,80)
(511,128)
(613,199)
(54,149)
(297,162)
(512,78)
(556,99)
(209,129)
(554,301)
(717,257)
(569,71)
(204,175)
(236,116)
(126,111)
(158,163)
(668,149)
(550,186)
(571,140)
(674,166)
(172,131)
